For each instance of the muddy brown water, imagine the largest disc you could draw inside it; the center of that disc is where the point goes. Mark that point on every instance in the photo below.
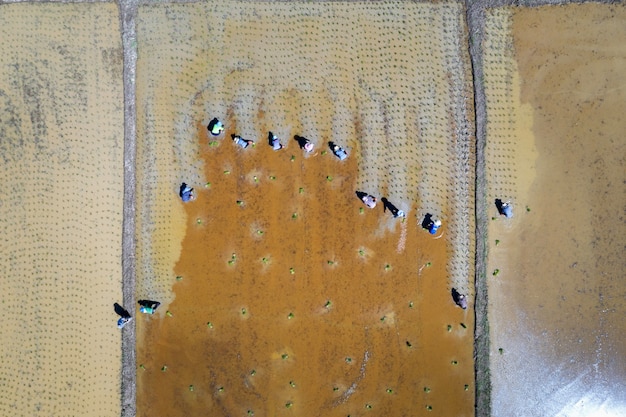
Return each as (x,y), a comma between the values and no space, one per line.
(558,303)
(291,304)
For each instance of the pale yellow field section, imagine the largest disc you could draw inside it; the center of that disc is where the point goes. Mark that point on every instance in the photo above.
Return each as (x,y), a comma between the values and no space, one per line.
(61,193)
(388,81)
(555,148)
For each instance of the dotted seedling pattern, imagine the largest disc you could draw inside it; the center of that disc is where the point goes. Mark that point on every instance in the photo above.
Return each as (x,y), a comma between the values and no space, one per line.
(61,151)
(394,92)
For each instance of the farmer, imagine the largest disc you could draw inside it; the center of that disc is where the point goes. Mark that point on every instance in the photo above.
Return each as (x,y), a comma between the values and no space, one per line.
(275,142)
(339,152)
(505,209)
(431,225)
(369,200)
(123,321)
(215,127)
(148,306)
(186,193)
(244,143)
(459,299)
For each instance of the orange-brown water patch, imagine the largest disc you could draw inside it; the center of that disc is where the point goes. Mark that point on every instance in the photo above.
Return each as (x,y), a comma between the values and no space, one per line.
(557,298)
(341,356)
(304,70)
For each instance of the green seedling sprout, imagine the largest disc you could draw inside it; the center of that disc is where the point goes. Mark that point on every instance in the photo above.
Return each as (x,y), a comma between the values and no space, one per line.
(290,316)
(335,389)
(220,389)
(454,362)
(284,356)
(214,143)
(324,152)
(449,328)
(328,304)
(293,158)
(244,311)
(272,177)
(292,384)
(164,368)
(168,313)
(410,304)
(191,388)
(409,344)
(501,351)
(292,271)
(368,406)
(361,210)
(382,319)
(289,404)
(207,185)
(226,172)
(255,178)
(428,264)
(331,263)
(496,272)
(300,190)
(179,278)
(259,232)
(348,360)
(264,260)
(253,372)
(239,203)
(294,216)
(199,221)
(142,367)
(466,387)
(209,325)
(497,242)
(361,252)
(387,267)
(429,407)
(527,209)
(329,178)
(426,389)
(389,391)
(250,412)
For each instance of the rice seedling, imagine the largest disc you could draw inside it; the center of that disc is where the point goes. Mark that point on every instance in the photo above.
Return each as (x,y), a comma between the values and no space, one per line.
(239,203)
(300,190)
(290,316)
(328,304)
(250,412)
(169,313)
(294,216)
(284,356)
(220,389)
(292,271)
(209,325)
(142,366)
(207,185)
(387,267)
(496,272)
(191,388)
(253,372)
(179,278)
(289,404)
(292,384)
(227,172)
(348,359)
(329,178)
(426,389)
(164,368)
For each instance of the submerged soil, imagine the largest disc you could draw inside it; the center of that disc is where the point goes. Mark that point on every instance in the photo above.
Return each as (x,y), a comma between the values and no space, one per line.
(293,301)
(557,288)
(318,311)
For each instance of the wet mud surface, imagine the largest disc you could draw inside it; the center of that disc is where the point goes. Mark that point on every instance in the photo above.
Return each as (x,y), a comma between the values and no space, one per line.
(284,298)
(293,298)
(556,286)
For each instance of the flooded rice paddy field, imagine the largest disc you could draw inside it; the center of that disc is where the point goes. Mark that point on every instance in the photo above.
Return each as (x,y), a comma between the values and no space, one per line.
(61,193)
(555,148)
(283,294)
